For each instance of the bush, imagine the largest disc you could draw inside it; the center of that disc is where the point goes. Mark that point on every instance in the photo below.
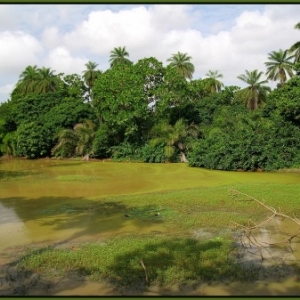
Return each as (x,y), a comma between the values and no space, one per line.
(33,141)
(251,143)
(154,153)
(126,151)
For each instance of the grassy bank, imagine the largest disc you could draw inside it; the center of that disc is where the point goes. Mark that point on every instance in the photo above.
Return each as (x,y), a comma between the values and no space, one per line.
(137,261)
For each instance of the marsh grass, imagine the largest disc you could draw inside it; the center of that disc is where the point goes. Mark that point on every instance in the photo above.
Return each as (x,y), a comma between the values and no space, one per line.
(196,208)
(15,175)
(151,213)
(168,260)
(81,178)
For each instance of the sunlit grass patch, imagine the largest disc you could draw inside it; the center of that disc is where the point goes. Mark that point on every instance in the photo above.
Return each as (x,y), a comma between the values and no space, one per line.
(284,197)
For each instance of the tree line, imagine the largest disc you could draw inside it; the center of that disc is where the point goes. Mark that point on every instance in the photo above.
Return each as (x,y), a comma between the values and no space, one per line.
(148,112)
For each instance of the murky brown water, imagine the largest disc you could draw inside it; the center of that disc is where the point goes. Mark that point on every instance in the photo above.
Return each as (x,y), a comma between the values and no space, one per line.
(37,200)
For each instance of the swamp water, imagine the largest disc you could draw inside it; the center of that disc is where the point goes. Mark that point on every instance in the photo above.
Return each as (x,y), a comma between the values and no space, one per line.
(53,201)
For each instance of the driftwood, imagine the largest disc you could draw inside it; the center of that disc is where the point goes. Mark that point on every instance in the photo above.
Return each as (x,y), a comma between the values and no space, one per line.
(251,226)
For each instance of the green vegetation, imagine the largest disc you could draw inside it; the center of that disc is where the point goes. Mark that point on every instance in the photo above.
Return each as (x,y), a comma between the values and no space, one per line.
(168,260)
(118,57)
(279,66)
(213,84)
(181,62)
(144,111)
(256,93)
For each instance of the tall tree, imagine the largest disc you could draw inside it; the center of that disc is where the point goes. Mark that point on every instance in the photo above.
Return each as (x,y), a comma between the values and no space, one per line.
(118,57)
(213,84)
(27,81)
(181,61)
(256,92)
(36,80)
(90,75)
(279,66)
(46,81)
(295,48)
(76,141)
(173,137)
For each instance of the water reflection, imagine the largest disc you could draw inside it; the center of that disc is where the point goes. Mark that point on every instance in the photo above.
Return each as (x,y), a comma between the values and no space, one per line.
(268,247)
(12,230)
(50,199)
(61,218)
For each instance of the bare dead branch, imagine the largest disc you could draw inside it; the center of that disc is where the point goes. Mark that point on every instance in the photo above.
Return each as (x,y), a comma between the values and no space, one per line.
(252,225)
(145,270)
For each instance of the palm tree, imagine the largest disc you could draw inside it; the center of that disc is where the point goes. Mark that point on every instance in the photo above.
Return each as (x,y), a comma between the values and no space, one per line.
(86,134)
(173,137)
(118,57)
(279,66)
(36,80)
(46,81)
(213,84)
(27,80)
(256,92)
(181,61)
(295,48)
(67,141)
(8,143)
(90,75)
(76,141)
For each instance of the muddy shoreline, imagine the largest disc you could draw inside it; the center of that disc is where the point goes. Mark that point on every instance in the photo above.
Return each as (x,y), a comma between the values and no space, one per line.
(275,278)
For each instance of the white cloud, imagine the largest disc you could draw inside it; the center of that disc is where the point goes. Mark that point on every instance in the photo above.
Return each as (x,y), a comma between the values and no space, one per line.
(51,37)
(61,60)
(5,90)
(6,21)
(18,50)
(104,30)
(170,17)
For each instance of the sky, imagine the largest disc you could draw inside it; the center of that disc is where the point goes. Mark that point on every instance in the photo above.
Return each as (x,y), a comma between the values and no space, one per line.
(228,38)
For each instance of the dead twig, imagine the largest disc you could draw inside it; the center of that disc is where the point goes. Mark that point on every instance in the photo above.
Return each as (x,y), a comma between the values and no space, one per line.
(252,225)
(145,270)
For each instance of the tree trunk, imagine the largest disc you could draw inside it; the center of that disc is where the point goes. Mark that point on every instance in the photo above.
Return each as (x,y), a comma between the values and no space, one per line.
(183,157)
(86,157)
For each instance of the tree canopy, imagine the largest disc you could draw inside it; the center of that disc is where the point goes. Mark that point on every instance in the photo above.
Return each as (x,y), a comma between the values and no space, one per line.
(118,56)
(256,92)
(147,111)
(181,62)
(279,66)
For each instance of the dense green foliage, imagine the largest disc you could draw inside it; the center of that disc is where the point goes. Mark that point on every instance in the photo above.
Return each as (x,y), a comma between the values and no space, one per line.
(148,112)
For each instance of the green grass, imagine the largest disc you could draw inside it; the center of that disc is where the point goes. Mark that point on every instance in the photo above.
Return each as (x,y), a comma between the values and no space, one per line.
(215,206)
(81,178)
(168,260)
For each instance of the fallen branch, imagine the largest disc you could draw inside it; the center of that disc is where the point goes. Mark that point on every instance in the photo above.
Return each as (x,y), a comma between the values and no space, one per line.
(252,225)
(145,270)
